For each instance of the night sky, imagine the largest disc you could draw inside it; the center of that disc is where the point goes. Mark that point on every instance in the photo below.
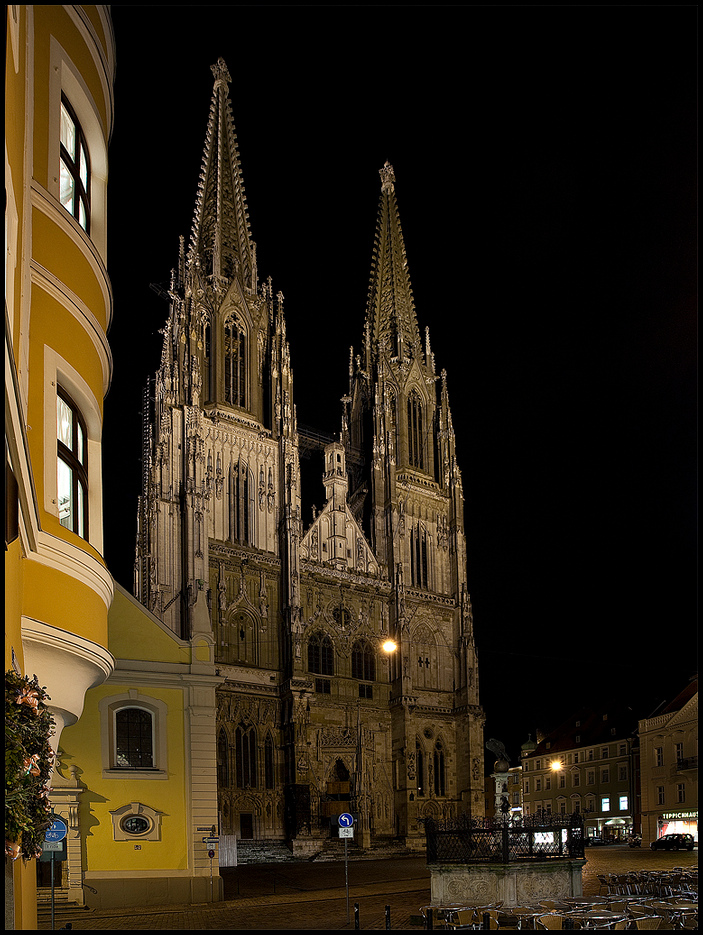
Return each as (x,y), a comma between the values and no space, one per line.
(545,163)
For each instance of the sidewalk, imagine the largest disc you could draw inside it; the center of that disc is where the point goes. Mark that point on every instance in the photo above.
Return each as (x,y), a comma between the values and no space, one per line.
(303,900)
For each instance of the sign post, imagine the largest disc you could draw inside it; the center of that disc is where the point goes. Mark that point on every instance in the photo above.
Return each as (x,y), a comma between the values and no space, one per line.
(54,841)
(346,831)
(211,841)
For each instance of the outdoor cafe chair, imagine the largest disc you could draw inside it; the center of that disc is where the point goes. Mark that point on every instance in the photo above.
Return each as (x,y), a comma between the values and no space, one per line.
(648,922)
(551,920)
(462,919)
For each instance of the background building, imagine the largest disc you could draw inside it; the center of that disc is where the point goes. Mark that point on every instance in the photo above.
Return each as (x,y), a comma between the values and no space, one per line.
(59,72)
(669,767)
(314,717)
(586,765)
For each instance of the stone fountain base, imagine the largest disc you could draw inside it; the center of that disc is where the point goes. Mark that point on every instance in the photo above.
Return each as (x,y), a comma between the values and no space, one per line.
(513,884)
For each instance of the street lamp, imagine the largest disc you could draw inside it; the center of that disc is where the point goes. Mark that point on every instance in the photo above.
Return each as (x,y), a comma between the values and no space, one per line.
(389,646)
(556,765)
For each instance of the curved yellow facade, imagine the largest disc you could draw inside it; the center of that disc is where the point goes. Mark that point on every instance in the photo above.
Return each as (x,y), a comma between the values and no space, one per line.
(58,305)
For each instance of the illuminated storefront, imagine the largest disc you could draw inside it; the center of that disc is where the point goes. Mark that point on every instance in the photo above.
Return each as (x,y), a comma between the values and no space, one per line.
(683,821)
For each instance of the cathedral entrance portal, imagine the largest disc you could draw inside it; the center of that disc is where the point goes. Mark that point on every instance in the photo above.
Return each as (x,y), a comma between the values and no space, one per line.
(338,796)
(246,826)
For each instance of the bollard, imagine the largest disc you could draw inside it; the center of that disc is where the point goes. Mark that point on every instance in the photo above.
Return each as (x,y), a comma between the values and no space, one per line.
(356,916)
(388,918)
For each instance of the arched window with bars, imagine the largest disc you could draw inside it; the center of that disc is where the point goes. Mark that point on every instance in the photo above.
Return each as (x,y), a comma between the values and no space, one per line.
(235,370)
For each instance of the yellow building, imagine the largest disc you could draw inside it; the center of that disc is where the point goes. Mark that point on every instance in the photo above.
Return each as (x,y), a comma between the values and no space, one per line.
(669,767)
(59,75)
(138,772)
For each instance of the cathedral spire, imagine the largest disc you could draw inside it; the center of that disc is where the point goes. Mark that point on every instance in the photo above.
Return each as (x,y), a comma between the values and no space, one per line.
(390,310)
(220,238)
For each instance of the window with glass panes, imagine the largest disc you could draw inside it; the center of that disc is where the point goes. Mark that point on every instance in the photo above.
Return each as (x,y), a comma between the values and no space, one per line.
(134,739)
(72,465)
(74,167)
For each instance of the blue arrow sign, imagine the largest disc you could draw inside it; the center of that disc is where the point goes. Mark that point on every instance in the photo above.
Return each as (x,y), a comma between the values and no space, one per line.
(57,831)
(345,820)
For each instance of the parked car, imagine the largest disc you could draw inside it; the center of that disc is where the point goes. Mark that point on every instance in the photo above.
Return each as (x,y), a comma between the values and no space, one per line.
(635,840)
(673,842)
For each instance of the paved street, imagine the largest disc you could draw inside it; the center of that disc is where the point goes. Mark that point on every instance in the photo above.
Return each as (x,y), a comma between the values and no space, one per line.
(310,896)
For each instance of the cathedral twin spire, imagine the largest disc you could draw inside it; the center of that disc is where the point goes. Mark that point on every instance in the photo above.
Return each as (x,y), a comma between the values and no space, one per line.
(222,248)
(220,238)
(391,320)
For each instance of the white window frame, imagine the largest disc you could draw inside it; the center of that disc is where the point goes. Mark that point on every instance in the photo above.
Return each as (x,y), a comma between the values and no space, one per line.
(108,708)
(58,372)
(65,76)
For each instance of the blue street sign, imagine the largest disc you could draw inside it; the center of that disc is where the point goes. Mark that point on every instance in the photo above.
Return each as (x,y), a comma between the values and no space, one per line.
(57,831)
(345,820)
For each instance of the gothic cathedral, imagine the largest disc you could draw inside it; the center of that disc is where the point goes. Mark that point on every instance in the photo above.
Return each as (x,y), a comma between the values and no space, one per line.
(345,647)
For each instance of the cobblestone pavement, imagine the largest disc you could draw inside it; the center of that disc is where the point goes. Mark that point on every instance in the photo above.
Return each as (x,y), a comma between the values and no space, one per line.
(312,896)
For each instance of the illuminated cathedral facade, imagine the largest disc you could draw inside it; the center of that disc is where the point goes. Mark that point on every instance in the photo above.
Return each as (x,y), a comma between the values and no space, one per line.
(344,639)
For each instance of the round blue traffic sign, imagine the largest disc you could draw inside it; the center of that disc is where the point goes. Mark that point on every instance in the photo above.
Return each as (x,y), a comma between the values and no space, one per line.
(57,831)
(345,820)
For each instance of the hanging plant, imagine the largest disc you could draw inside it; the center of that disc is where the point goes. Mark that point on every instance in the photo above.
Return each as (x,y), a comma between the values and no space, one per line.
(29,761)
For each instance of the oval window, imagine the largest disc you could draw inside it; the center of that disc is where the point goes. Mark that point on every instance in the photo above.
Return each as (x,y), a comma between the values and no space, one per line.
(135,824)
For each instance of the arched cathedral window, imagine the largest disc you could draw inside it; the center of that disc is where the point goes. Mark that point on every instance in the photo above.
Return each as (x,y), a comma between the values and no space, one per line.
(419,552)
(245,753)
(269,774)
(363,661)
(438,759)
(420,757)
(222,760)
(416,441)
(320,654)
(241,504)
(235,363)
(208,369)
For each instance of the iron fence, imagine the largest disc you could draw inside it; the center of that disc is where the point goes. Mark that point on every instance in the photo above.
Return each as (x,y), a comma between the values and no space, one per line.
(483,840)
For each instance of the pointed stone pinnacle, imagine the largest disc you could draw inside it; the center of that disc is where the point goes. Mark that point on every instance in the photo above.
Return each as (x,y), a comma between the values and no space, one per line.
(220,71)
(387,176)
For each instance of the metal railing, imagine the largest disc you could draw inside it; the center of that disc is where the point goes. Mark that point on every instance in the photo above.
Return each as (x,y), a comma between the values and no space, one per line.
(475,840)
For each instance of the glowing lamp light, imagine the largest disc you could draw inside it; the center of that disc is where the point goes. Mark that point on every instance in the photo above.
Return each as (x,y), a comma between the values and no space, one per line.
(389,646)
(555,765)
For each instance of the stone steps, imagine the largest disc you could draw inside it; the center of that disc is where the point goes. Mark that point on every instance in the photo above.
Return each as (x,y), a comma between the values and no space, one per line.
(259,852)
(262,852)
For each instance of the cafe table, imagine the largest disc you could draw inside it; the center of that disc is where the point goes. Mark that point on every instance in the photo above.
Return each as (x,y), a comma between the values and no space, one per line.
(525,913)
(599,917)
(588,900)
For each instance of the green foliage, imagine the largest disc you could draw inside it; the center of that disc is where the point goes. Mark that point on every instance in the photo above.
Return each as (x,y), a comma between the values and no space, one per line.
(28,764)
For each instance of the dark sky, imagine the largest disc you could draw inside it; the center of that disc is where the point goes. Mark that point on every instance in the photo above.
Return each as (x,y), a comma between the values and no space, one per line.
(545,164)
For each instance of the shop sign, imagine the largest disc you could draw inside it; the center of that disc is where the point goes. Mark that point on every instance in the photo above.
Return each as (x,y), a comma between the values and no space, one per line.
(685,813)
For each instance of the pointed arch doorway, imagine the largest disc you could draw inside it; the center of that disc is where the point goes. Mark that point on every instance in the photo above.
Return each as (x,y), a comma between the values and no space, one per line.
(338,795)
